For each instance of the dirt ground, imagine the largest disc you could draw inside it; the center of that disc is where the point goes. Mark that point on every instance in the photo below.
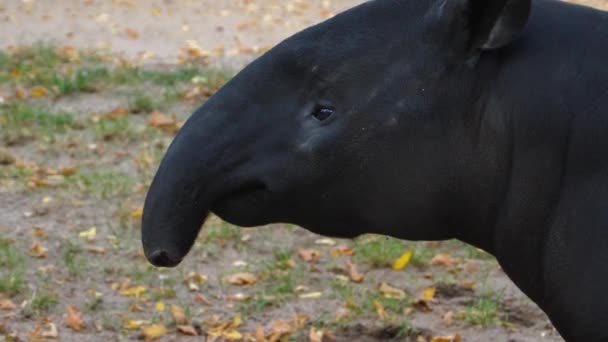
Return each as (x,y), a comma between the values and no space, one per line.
(76,156)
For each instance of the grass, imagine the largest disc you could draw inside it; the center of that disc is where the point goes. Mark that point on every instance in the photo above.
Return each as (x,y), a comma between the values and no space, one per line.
(21,120)
(44,301)
(378,251)
(142,103)
(112,129)
(103,183)
(12,269)
(74,264)
(484,311)
(223,232)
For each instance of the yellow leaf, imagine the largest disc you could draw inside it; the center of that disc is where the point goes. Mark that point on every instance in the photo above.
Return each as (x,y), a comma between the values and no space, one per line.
(39,232)
(391,292)
(428,294)
(154,331)
(88,234)
(160,306)
(137,213)
(233,335)
(403,260)
(39,91)
(131,324)
(311,295)
(134,291)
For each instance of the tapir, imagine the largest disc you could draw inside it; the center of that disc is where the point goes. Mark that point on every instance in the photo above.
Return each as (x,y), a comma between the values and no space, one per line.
(479,120)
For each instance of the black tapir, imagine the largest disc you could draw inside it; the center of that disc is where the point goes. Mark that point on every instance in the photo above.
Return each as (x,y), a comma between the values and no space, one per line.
(480,120)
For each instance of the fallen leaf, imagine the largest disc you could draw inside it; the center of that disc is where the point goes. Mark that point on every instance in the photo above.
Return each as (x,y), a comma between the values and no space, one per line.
(89,234)
(134,291)
(444,260)
(342,251)
(187,330)
(309,255)
(67,171)
(49,331)
(448,318)
(117,113)
(37,250)
(403,260)
(74,319)
(131,324)
(380,310)
(454,338)
(153,332)
(178,315)
(137,213)
(39,91)
(38,232)
(311,295)
(391,292)
(428,294)
(315,335)
(241,279)
(132,33)
(6,304)
(159,306)
(326,242)
(354,274)
(160,120)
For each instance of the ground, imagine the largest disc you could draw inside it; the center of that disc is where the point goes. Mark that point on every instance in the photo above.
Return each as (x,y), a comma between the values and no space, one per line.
(91,93)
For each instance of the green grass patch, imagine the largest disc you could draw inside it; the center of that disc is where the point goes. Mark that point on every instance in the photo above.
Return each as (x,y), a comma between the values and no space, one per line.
(378,251)
(222,231)
(484,311)
(12,269)
(21,120)
(44,301)
(142,103)
(73,262)
(103,183)
(112,129)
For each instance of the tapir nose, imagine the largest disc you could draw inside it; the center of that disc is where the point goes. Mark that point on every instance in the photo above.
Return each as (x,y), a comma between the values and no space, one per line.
(161,258)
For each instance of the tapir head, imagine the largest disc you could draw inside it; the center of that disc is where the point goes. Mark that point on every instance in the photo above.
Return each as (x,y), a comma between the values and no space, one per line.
(358,124)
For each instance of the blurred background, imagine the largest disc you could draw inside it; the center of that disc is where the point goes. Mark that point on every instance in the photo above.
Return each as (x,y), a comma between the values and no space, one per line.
(91,94)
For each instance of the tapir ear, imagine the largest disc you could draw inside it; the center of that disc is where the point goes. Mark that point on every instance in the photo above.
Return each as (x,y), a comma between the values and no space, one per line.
(486,24)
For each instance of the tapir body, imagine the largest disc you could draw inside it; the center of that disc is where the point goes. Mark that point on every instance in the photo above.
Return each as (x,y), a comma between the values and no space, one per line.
(480,120)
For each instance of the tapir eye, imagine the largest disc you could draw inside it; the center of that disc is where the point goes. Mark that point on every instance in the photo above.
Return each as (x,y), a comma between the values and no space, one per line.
(322,112)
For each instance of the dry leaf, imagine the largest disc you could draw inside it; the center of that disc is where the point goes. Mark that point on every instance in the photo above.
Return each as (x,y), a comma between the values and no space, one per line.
(241,279)
(309,255)
(311,295)
(132,33)
(74,319)
(448,318)
(187,330)
(159,306)
(391,292)
(326,242)
(89,234)
(354,274)
(67,171)
(39,92)
(178,315)
(403,260)
(37,250)
(342,251)
(160,120)
(153,332)
(137,213)
(455,338)
(117,113)
(50,331)
(444,260)
(7,304)
(131,324)
(380,310)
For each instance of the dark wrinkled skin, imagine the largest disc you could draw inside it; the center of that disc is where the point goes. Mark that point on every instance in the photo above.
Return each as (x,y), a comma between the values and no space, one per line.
(451,120)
